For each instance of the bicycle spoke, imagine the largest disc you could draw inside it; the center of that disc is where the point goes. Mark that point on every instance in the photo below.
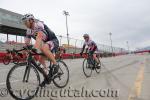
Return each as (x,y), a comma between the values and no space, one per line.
(14,81)
(62,77)
(87,70)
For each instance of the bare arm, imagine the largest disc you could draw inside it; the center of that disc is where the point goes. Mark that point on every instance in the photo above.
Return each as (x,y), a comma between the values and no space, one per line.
(83,48)
(27,40)
(39,42)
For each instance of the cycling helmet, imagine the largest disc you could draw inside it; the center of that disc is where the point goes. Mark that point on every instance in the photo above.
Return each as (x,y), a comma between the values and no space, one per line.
(86,35)
(27,17)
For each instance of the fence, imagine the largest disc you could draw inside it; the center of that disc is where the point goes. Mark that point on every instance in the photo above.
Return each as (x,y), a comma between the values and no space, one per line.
(75,45)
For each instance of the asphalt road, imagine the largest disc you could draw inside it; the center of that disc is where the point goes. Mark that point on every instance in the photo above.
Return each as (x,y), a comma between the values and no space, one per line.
(122,78)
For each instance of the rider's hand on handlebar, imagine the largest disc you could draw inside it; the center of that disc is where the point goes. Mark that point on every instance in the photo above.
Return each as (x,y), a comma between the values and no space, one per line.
(34,50)
(81,53)
(91,52)
(29,47)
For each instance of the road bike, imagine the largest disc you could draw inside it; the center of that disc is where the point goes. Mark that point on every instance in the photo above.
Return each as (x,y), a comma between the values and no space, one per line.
(11,55)
(27,76)
(89,64)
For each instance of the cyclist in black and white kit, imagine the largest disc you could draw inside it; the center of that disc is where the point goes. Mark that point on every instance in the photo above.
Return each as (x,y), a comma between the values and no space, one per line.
(45,40)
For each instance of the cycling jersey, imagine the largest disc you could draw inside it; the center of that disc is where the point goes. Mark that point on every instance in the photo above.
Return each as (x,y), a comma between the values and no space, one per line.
(39,26)
(48,36)
(91,46)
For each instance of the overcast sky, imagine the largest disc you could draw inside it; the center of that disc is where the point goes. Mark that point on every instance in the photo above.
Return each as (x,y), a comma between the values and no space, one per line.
(127,20)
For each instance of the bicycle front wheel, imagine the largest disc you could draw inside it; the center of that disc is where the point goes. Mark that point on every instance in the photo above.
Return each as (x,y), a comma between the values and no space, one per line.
(23,81)
(61,79)
(87,68)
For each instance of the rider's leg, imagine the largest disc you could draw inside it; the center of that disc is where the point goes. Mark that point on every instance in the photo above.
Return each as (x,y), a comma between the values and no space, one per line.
(46,50)
(95,58)
(44,47)
(39,44)
(42,61)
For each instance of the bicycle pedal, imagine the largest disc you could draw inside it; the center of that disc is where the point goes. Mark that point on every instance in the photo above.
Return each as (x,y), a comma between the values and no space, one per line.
(49,82)
(57,75)
(39,64)
(98,67)
(93,68)
(43,84)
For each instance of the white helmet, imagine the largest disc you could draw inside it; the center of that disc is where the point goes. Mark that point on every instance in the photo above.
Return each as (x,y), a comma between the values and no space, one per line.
(86,35)
(27,17)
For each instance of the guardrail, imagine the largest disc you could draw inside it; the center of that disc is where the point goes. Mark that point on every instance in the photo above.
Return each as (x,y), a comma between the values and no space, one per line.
(75,45)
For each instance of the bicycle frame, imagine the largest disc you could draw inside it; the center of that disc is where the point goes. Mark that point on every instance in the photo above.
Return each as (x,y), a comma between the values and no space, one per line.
(30,65)
(13,54)
(10,55)
(90,57)
(30,60)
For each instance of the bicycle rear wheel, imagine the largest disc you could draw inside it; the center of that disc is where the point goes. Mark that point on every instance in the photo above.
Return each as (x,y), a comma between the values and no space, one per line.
(61,79)
(6,60)
(15,60)
(98,67)
(87,69)
(19,85)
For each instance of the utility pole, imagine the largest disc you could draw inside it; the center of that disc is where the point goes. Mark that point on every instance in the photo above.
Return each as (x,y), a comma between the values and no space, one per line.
(127,46)
(67,14)
(111,42)
(76,45)
(60,39)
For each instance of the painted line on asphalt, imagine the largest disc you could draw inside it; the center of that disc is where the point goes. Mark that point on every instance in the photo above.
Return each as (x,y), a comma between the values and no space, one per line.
(136,90)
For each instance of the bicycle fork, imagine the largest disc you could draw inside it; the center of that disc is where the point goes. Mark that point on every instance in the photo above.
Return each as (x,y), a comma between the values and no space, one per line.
(26,74)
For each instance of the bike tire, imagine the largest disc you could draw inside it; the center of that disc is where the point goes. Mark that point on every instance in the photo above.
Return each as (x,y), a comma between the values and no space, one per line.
(60,85)
(98,68)
(16,60)
(9,87)
(85,67)
(6,60)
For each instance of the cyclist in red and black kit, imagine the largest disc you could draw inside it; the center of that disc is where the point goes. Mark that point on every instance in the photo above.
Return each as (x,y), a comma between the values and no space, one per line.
(92,47)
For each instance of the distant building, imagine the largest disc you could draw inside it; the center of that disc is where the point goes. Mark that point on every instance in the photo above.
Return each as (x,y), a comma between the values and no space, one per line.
(10,23)
(71,48)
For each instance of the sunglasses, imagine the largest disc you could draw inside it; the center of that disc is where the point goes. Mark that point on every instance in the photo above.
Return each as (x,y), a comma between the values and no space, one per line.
(85,37)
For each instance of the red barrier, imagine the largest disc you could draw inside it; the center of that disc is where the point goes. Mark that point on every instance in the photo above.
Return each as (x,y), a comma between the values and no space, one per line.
(142,51)
(64,56)
(2,55)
